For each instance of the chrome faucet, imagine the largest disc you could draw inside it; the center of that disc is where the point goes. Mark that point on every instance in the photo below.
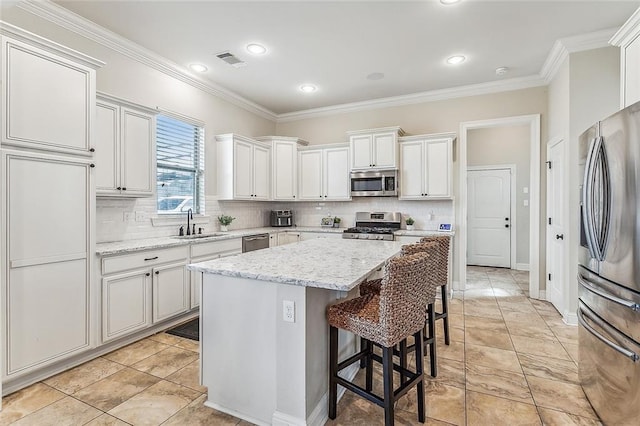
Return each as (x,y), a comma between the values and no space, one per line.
(189,216)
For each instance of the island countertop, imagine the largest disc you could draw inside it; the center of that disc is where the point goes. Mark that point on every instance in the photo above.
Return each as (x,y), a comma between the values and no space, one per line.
(322,263)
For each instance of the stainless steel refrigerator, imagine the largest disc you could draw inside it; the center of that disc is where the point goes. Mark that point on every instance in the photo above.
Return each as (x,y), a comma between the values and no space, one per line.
(609,270)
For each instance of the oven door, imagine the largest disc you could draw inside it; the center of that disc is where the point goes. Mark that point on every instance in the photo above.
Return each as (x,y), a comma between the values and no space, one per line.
(609,369)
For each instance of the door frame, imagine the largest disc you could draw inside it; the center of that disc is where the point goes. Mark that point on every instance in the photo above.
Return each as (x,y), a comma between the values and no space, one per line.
(565,213)
(533,121)
(512,206)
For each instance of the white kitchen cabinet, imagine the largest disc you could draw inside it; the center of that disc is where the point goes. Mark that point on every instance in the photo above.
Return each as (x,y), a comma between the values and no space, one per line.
(284,166)
(243,168)
(324,174)
(143,288)
(125,148)
(47,271)
(426,163)
(288,238)
(48,94)
(126,304)
(374,148)
(628,39)
(171,294)
(273,240)
(208,251)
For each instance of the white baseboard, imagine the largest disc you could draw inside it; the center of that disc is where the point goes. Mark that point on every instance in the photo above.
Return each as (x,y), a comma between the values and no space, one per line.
(570,318)
(320,414)
(522,267)
(282,419)
(542,294)
(234,413)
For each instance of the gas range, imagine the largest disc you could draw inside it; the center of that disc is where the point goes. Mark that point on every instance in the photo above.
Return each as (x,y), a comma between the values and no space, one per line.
(374,226)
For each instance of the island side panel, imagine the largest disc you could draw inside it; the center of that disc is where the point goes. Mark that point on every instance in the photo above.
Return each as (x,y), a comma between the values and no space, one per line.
(238,346)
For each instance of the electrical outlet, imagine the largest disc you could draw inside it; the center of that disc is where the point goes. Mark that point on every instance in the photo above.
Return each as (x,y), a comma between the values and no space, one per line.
(288,311)
(140,217)
(128,216)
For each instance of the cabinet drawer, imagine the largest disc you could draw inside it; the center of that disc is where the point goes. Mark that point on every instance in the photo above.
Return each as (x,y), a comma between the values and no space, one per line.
(143,259)
(216,247)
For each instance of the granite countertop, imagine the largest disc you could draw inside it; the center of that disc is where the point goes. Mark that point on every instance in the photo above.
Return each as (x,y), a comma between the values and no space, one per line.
(323,263)
(128,246)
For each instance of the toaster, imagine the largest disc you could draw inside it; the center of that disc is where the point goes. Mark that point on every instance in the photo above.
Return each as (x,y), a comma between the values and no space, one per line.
(281,218)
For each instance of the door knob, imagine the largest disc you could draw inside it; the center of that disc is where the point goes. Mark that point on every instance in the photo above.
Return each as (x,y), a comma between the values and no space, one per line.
(559,236)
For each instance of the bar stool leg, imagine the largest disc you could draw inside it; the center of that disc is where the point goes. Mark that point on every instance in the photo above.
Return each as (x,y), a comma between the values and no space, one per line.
(333,371)
(387,371)
(431,324)
(420,370)
(363,344)
(369,366)
(403,359)
(445,313)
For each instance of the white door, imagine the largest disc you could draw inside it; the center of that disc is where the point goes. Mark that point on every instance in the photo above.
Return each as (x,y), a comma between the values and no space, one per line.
(384,149)
(438,163)
(310,186)
(361,152)
(170,291)
(337,185)
(125,303)
(489,217)
(137,136)
(555,223)
(285,161)
(261,173)
(107,141)
(412,169)
(243,170)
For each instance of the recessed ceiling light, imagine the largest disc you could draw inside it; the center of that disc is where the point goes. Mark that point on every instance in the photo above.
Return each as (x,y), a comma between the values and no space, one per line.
(449,1)
(308,88)
(256,49)
(375,76)
(198,67)
(455,60)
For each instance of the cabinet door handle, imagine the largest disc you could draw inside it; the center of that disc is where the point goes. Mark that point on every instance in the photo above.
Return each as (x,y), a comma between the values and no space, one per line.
(157,272)
(92,150)
(119,188)
(559,236)
(151,258)
(124,188)
(92,165)
(506,226)
(147,274)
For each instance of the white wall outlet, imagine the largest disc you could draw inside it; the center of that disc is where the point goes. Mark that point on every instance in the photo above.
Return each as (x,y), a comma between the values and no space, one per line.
(289,311)
(140,217)
(128,216)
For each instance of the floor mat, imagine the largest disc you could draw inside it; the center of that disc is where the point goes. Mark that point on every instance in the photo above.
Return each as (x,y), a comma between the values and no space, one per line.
(190,330)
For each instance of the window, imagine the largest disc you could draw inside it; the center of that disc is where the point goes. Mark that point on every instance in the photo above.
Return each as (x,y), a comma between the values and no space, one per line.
(180,165)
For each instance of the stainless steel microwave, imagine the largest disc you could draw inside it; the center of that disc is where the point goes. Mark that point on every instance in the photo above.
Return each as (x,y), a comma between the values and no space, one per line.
(374,183)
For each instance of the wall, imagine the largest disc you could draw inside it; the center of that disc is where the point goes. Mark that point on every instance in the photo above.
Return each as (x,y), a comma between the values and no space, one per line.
(502,146)
(131,80)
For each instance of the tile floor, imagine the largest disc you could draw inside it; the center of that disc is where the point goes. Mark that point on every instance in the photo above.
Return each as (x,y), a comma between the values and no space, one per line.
(512,361)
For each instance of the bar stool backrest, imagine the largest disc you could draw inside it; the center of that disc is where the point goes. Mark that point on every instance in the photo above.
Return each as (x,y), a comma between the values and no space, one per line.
(442,266)
(403,296)
(432,276)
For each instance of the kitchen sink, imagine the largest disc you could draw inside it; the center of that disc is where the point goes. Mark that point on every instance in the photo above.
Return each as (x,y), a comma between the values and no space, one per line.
(198,236)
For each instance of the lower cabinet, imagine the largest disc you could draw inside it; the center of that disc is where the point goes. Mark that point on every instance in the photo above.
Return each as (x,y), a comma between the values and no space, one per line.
(143,288)
(288,238)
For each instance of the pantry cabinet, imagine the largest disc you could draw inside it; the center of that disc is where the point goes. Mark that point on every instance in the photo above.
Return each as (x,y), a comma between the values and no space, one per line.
(284,166)
(628,39)
(324,174)
(374,148)
(426,163)
(125,148)
(243,168)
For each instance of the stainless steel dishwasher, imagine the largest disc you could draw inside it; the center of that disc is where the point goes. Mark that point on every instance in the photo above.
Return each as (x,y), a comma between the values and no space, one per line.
(255,242)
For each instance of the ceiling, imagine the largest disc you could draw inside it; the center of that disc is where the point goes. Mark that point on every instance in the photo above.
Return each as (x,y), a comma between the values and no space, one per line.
(337,44)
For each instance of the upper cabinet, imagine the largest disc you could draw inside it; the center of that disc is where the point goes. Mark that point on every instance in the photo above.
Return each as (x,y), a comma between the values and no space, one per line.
(125,148)
(374,148)
(426,163)
(284,166)
(324,174)
(628,39)
(48,96)
(243,168)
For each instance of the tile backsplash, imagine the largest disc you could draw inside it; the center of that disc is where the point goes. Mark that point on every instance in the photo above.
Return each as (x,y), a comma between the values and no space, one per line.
(126,219)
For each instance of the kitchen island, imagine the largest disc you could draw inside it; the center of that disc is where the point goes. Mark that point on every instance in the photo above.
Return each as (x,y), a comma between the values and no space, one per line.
(257,365)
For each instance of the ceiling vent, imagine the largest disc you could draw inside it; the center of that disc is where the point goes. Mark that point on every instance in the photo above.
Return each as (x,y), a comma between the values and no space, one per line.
(231,59)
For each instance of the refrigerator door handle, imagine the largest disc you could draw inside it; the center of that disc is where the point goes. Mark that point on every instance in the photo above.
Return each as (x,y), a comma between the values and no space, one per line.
(587,196)
(624,351)
(604,189)
(606,295)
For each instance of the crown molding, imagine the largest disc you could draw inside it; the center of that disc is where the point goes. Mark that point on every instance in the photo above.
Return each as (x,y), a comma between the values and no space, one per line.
(565,46)
(416,98)
(68,20)
(628,32)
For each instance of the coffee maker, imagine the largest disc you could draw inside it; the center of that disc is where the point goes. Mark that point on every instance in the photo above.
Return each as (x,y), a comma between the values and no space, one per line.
(281,218)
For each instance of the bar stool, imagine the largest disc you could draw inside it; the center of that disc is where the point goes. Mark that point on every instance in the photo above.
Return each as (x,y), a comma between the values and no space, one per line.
(442,271)
(432,279)
(385,319)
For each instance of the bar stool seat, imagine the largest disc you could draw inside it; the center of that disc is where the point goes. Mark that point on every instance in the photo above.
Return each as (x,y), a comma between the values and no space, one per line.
(386,319)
